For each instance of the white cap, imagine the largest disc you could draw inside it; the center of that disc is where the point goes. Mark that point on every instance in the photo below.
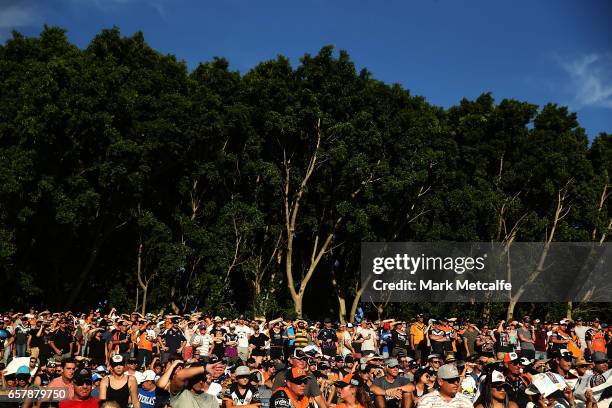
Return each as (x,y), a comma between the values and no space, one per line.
(497,377)
(148,375)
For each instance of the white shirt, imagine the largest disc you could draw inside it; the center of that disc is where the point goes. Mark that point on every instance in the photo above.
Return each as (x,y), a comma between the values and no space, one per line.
(346,338)
(368,344)
(215,390)
(580,332)
(243,333)
(435,400)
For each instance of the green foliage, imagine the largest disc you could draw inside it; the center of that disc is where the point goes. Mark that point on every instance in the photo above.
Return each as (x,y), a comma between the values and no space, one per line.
(117,145)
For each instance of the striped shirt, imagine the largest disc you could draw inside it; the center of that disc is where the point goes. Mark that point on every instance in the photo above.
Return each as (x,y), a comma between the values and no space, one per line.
(435,400)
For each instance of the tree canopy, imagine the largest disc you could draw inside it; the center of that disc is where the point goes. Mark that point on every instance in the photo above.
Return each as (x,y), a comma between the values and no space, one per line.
(126,178)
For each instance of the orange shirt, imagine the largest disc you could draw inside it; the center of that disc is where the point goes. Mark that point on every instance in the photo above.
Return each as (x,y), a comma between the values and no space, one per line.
(418,331)
(144,343)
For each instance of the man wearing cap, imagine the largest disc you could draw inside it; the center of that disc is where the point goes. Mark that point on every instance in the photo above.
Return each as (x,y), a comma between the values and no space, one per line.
(82,391)
(293,394)
(526,335)
(391,390)
(437,338)
(517,383)
(147,389)
(582,366)
(62,342)
(448,394)
(418,341)
(173,340)
(600,362)
(346,347)
(298,360)
(241,392)
(596,338)
(327,338)
(563,364)
(370,341)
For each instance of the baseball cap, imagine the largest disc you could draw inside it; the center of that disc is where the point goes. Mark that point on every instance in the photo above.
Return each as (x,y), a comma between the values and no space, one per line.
(81,376)
(348,380)
(580,361)
(448,371)
(391,362)
(299,354)
(508,357)
(296,375)
(450,358)
(599,357)
(23,370)
(497,377)
(116,360)
(563,353)
(101,369)
(243,371)
(148,375)
(349,325)
(96,377)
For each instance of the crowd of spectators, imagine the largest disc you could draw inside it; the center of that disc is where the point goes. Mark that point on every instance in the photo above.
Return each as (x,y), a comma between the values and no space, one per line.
(196,360)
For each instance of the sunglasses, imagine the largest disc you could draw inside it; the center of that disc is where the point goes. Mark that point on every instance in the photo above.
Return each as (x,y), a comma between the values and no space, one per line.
(436,362)
(499,387)
(84,382)
(299,381)
(452,380)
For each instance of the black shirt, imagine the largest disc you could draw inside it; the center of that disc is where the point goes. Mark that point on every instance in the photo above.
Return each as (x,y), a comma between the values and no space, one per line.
(173,339)
(62,340)
(276,339)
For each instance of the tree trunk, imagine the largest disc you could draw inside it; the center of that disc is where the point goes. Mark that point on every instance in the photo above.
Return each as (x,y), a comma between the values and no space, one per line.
(137,304)
(568,310)
(297,305)
(341,309)
(144,298)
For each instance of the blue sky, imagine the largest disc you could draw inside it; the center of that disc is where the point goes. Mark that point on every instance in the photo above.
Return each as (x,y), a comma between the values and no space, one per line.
(537,51)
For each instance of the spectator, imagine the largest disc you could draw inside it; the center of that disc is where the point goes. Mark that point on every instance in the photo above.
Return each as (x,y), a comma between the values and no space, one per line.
(293,394)
(82,391)
(447,395)
(147,389)
(493,392)
(62,341)
(327,339)
(119,387)
(187,386)
(241,392)
(65,380)
(352,393)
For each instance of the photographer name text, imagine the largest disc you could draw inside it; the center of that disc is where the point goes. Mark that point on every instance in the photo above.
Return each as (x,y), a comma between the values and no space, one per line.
(407,285)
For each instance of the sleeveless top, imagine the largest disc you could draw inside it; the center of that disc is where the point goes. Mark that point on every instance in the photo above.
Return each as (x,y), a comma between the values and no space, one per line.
(121,395)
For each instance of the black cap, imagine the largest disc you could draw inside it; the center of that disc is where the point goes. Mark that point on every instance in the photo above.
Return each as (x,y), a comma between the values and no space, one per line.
(327,320)
(82,375)
(349,359)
